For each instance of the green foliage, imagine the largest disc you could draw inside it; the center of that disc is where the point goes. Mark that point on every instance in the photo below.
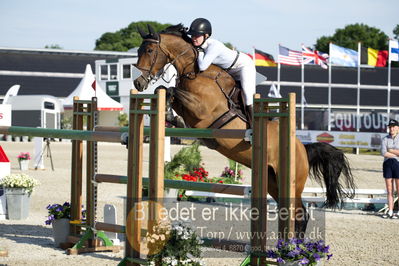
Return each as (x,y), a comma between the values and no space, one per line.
(396,32)
(184,161)
(123,120)
(126,38)
(349,37)
(229,45)
(66,122)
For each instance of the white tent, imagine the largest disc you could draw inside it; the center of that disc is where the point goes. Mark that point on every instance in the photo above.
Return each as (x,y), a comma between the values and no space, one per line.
(108,107)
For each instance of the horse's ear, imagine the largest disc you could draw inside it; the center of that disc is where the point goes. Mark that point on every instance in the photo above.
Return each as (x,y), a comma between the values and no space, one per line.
(141,31)
(151,30)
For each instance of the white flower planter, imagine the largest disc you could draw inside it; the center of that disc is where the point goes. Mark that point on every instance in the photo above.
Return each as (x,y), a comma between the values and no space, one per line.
(60,231)
(18,201)
(171,193)
(24,165)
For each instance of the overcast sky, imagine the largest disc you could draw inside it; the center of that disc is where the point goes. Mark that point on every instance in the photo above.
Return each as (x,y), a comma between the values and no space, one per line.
(76,24)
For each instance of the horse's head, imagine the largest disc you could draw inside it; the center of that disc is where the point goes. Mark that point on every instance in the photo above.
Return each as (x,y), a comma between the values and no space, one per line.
(151,59)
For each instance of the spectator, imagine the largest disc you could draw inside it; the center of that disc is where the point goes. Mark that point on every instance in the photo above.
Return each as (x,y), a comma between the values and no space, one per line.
(390,151)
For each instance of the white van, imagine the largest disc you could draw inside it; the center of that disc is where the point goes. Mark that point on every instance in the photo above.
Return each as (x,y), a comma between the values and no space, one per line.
(36,111)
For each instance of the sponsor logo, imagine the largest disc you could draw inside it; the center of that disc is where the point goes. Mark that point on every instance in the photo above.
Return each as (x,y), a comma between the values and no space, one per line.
(325,137)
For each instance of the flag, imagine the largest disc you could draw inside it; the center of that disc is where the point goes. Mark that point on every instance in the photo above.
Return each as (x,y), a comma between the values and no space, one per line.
(393,50)
(343,56)
(263,59)
(314,57)
(373,57)
(289,57)
(93,85)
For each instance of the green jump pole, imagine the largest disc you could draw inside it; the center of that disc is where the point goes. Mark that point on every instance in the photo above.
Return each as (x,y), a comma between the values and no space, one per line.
(61,133)
(185,132)
(179,184)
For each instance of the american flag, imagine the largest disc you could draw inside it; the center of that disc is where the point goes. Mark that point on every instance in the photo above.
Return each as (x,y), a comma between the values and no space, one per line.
(314,57)
(289,57)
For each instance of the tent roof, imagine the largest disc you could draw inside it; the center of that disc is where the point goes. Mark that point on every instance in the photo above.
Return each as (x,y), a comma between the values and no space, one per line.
(85,91)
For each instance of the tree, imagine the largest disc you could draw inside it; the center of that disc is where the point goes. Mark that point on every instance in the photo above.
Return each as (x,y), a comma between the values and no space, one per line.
(349,37)
(126,38)
(396,32)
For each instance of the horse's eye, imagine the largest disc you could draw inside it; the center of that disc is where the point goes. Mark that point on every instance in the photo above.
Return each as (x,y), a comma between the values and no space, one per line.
(149,50)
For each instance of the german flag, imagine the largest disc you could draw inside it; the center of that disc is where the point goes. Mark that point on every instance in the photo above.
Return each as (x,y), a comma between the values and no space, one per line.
(263,59)
(373,57)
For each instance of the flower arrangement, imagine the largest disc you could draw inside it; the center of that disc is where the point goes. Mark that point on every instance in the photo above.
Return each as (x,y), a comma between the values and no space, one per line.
(19,181)
(58,211)
(23,156)
(173,244)
(307,252)
(233,174)
(197,175)
(184,161)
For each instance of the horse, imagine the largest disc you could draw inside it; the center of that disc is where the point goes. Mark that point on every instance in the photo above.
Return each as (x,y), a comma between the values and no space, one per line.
(201,98)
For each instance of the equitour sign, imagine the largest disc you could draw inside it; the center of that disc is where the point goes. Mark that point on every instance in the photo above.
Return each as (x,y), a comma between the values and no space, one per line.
(369,122)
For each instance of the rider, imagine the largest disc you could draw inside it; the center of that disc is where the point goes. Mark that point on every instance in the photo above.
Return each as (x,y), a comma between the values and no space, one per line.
(211,51)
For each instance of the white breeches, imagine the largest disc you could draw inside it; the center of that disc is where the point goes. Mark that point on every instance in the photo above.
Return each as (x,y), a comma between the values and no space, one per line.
(244,71)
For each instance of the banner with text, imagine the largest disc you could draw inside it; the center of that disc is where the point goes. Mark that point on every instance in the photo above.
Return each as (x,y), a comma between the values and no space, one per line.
(364,140)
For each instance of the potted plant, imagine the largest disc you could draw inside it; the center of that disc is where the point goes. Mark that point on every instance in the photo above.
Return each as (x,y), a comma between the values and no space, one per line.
(182,162)
(23,160)
(18,188)
(59,217)
(299,252)
(173,244)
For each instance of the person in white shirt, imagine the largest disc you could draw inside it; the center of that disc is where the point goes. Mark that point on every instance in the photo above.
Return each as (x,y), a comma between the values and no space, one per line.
(390,151)
(211,51)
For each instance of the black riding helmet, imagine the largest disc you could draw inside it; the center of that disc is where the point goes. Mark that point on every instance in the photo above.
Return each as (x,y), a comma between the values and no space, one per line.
(200,26)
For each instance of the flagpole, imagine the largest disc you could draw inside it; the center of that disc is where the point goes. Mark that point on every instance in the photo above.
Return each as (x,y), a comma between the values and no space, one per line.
(302,90)
(389,82)
(329,89)
(358,88)
(278,70)
(253,54)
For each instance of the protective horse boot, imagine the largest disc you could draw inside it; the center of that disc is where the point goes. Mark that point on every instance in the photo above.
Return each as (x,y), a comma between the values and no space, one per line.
(250,112)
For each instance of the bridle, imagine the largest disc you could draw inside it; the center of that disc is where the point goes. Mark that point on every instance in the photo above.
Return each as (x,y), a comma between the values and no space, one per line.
(154,78)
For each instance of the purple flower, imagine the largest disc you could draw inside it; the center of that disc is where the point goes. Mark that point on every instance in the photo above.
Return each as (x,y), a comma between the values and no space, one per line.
(292,253)
(329,256)
(280,260)
(316,256)
(304,261)
(280,243)
(271,254)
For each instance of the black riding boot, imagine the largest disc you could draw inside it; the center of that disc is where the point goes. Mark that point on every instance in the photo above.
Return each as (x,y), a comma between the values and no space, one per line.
(250,112)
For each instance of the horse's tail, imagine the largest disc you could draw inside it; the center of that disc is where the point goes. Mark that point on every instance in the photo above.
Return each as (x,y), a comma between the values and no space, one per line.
(327,163)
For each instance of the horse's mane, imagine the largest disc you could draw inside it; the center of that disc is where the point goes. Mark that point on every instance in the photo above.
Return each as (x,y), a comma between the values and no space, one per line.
(177,30)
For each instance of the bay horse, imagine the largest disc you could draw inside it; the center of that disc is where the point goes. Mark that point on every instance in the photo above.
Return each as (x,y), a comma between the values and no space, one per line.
(200,99)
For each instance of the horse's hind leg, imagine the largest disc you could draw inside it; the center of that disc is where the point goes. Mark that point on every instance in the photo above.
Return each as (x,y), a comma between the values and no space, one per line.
(301,214)
(301,218)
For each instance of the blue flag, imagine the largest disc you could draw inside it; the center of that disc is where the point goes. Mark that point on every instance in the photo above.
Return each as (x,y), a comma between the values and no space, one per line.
(393,50)
(343,56)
